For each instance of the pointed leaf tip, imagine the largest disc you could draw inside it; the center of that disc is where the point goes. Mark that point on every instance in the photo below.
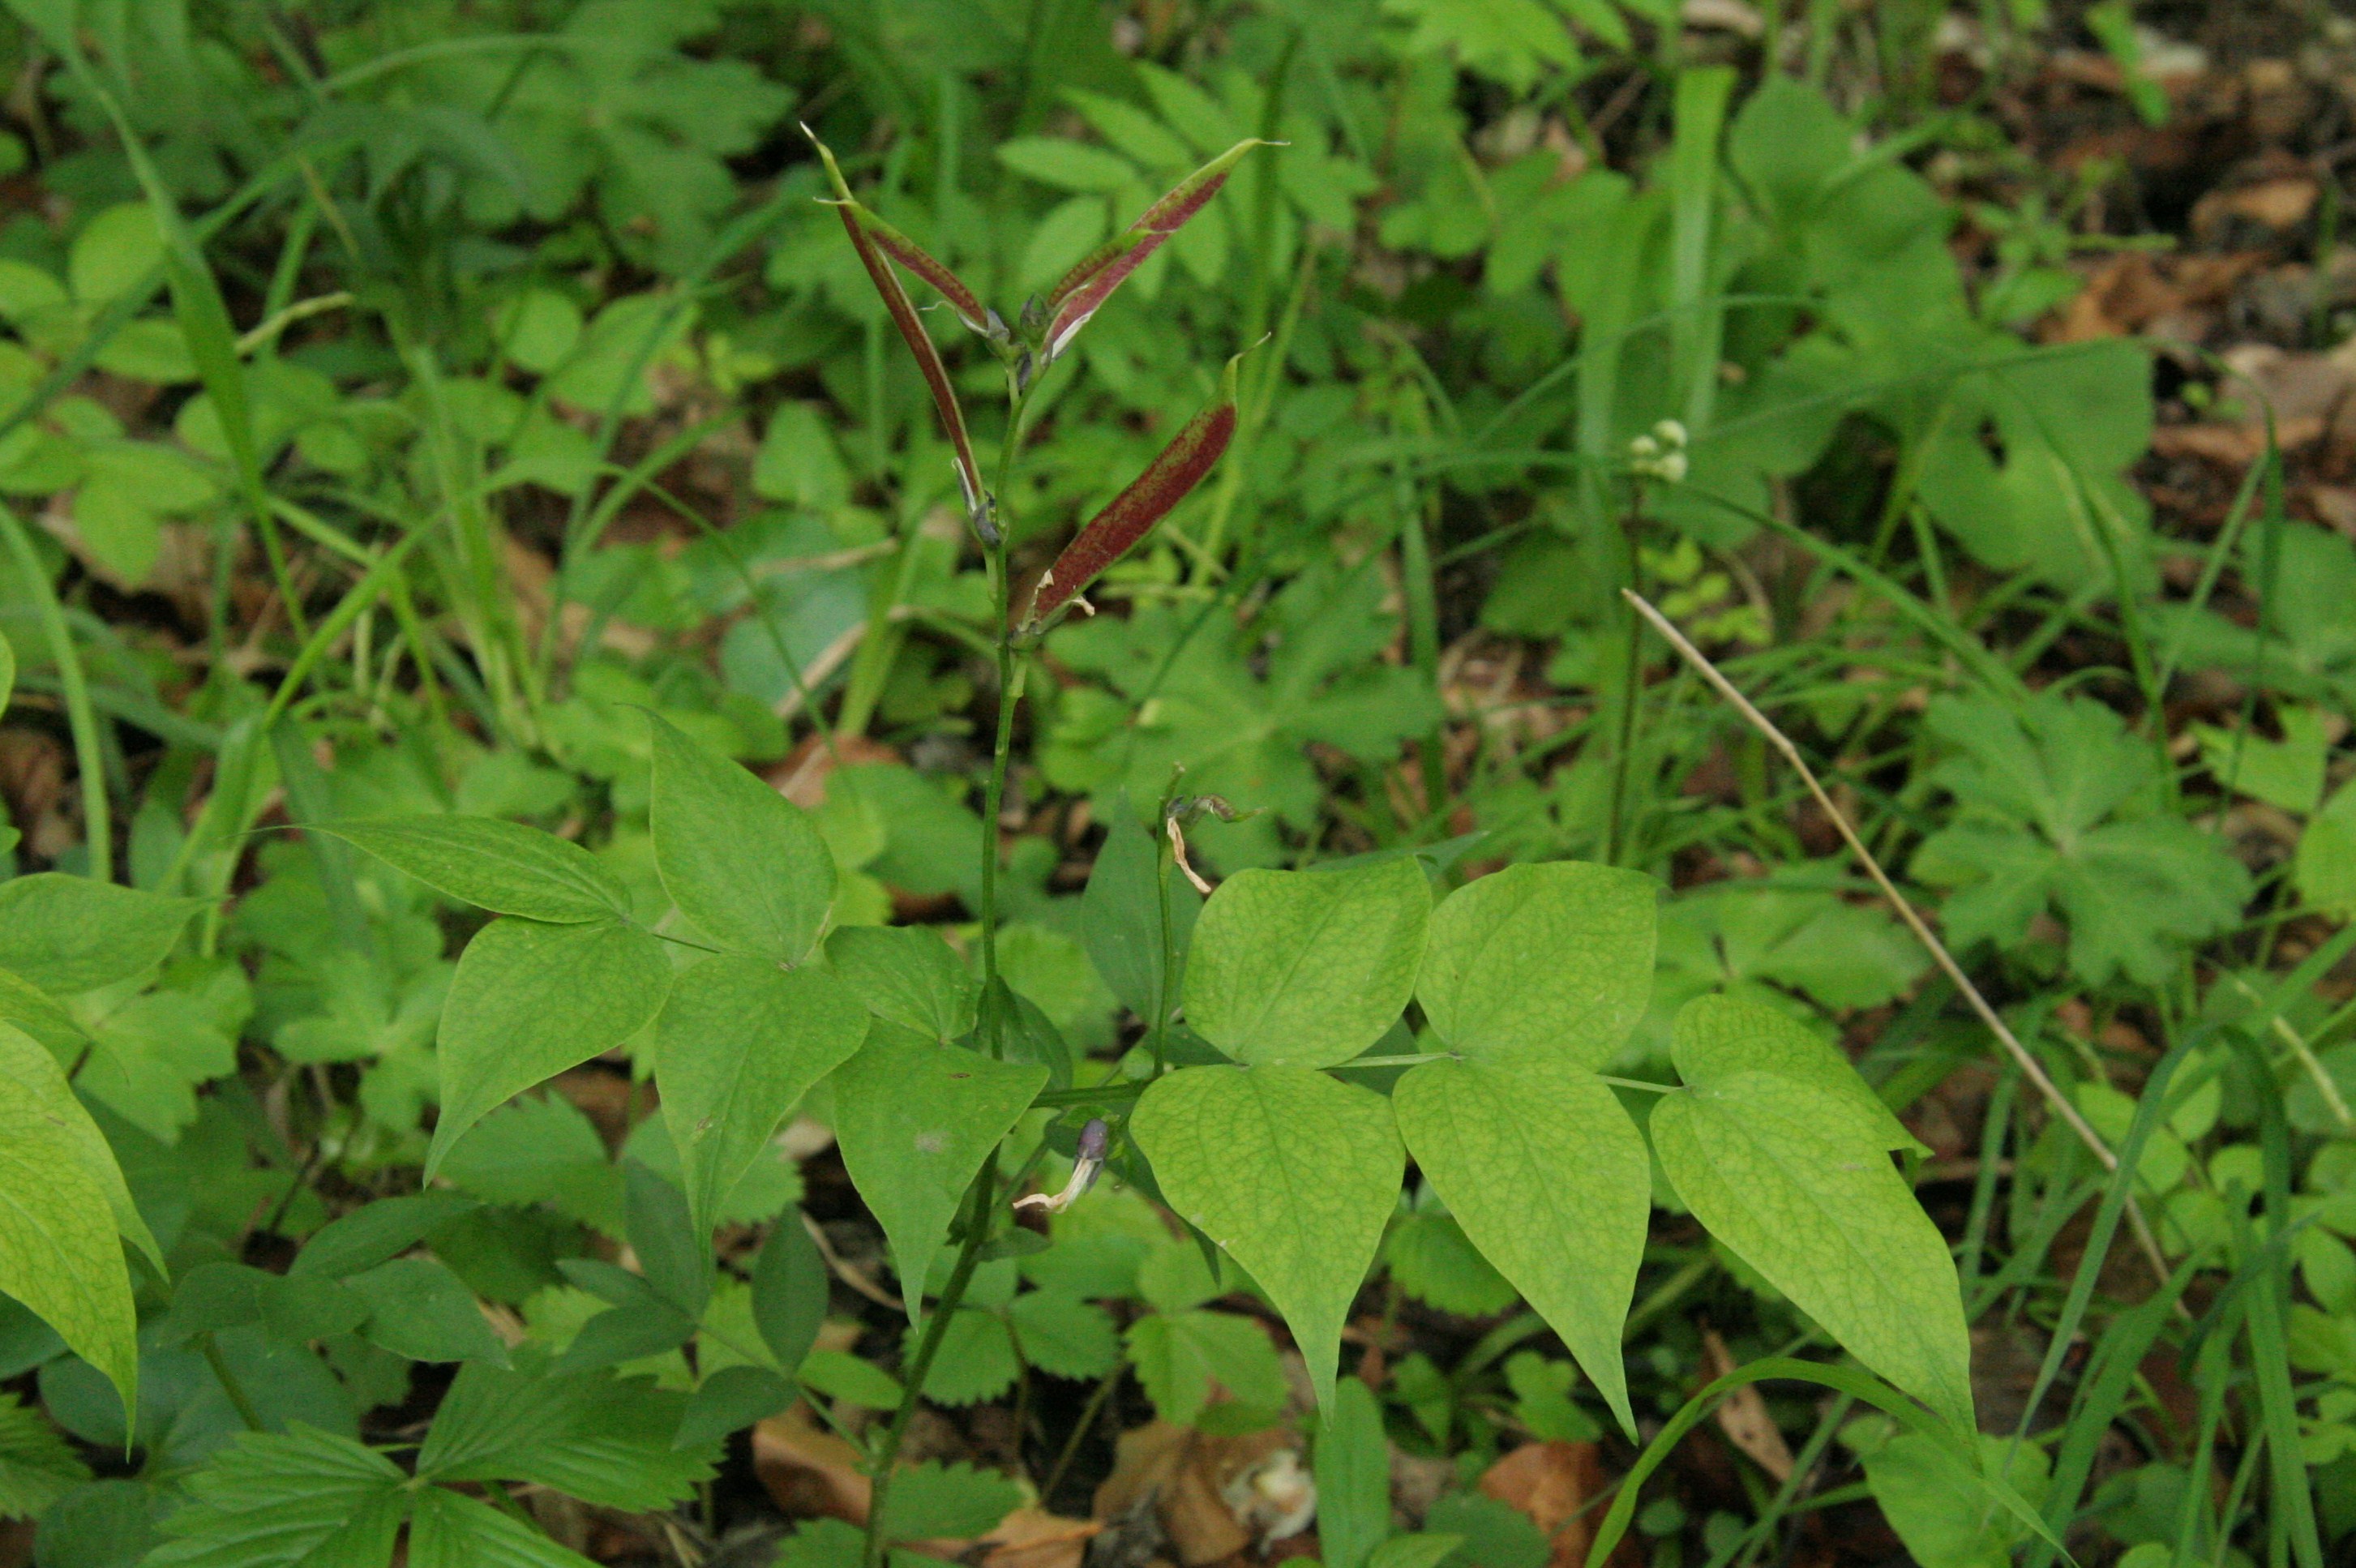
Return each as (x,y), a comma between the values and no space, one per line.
(1082,291)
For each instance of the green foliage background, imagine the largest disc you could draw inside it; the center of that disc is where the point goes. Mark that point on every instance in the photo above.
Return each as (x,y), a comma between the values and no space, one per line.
(471,411)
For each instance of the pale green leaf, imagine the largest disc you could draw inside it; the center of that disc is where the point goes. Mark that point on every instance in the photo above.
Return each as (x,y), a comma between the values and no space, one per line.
(498,865)
(447,1530)
(1718,1036)
(839,1375)
(915,1120)
(1067,166)
(1796,1178)
(1548,1175)
(1306,968)
(8,672)
(1288,1170)
(68,934)
(33,1010)
(740,860)
(907,975)
(28,1070)
(1556,958)
(736,1047)
(59,1255)
(36,1468)
(530,1000)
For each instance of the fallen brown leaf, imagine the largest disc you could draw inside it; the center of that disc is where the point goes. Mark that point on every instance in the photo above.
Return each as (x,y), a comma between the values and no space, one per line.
(1184,1478)
(1553,1483)
(1742,1415)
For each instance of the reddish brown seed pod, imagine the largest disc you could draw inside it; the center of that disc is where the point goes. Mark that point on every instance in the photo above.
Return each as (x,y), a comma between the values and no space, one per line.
(1149,498)
(863,226)
(1082,291)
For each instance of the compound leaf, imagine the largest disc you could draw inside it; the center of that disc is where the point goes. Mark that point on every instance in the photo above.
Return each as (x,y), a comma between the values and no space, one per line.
(300,1495)
(450,1530)
(1288,1170)
(36,1468)
(907,975)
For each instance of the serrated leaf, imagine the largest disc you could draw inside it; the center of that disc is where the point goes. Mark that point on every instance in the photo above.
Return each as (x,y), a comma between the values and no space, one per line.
(1548,1175)
(541,1149)
(916,1121)
(1796,1179)
(70,934)
(976,1360)
(1555,957)
(418,1309)
(301,1495)
(1306,968)
(601,1439)
(741,861)
(1179,1355)
(1063,1335)
(494,865)
(36,1468)
(907,975)
(933,1501)
(737,1045)
(1290,1171)
(61,1196)
(449,1531)
(531,999)
(1431,1259)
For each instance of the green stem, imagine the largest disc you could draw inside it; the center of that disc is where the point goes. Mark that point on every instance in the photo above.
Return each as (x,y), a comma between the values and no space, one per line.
(887,1454)
(982,1193)
(90,754)
(1631,670)
(229,1385)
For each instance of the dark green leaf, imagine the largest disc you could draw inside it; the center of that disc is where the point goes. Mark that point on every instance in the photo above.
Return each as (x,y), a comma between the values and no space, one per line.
(791,1289)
